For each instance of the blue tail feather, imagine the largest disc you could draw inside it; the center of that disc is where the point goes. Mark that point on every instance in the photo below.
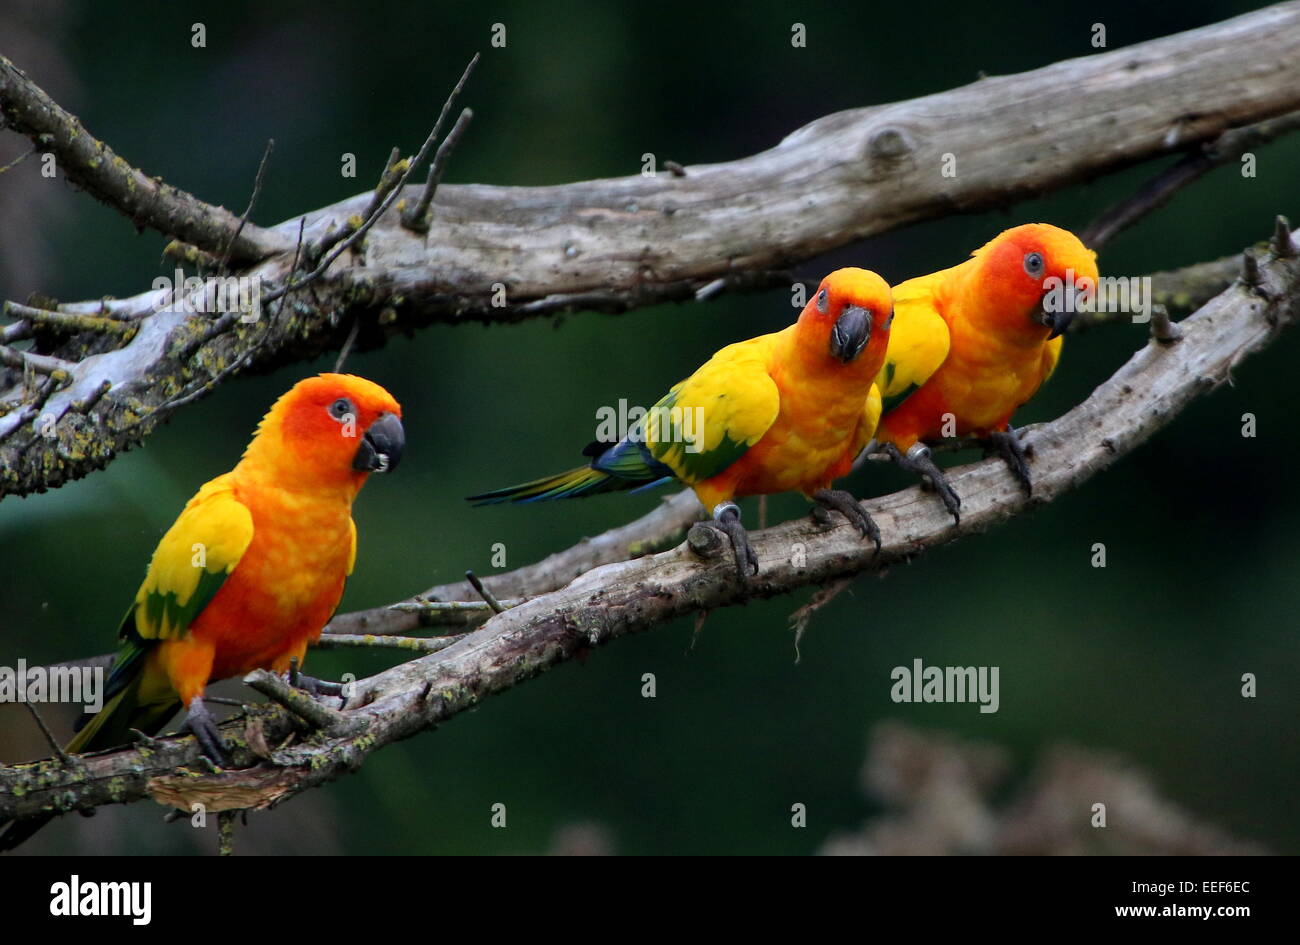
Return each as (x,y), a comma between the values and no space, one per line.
(626,465)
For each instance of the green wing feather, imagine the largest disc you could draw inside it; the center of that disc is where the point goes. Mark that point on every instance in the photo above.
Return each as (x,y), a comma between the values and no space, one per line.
(708,421)
(188,568)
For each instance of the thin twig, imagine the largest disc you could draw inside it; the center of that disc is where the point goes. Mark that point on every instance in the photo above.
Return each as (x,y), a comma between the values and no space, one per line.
(297,256)
(347,345)
(332,641)
(710,289)
(226,832)
(1159,190)
(371,219)
(437,607)
(800,619)
(252,202)
(18,160)
(41,363)
(18,331)
(1282,243)
(388,179)
(496,605)
(1163,329)
(417,215)
(28,410)
(67,321)
(205,387)
(94,167)
(300,703)
(49,736)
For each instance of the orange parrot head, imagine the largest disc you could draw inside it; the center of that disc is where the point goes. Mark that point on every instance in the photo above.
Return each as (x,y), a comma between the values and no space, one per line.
(1029,280)
(329,432)
(846,323)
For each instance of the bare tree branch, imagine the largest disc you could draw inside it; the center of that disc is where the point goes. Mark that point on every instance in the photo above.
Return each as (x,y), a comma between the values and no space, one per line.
(1229,146)
(97,169)
(625,597)
(665,527)
(626,242)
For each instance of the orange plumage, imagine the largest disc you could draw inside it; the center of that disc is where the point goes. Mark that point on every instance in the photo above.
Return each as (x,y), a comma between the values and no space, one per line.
(987,353)
(297,482)
(971,344)
(787,411)
(254,566)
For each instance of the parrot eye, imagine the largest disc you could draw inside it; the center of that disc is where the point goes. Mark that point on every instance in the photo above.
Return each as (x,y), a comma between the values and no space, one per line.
(889,320)
(1034,264)
(341,409)
(821,301)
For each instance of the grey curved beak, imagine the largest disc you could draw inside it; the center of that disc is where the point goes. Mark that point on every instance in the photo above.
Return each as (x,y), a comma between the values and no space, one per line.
(381,446)
(851,333)
(1058,321)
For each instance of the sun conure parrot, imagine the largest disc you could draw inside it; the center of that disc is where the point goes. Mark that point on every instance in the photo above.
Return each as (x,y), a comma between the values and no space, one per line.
(972,343)
(785,411)
(253,568)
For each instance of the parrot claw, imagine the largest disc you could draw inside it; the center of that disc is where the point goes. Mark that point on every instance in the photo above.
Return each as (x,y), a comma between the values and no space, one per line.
(918,461)
(319,687)
(1008,445)
(726,519)
(313,686)
(204,726)
(843,502)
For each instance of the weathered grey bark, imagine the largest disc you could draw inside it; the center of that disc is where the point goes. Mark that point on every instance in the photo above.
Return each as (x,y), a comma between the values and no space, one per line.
(147,201)
(629,596)
(625,242)
(664,527)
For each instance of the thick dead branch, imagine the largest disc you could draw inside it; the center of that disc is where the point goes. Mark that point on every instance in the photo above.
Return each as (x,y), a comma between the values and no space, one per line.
(662,528)
(621,243)
(97,169)
(625,597)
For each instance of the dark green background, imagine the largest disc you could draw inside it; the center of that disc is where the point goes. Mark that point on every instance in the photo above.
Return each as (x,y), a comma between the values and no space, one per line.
(1143,657)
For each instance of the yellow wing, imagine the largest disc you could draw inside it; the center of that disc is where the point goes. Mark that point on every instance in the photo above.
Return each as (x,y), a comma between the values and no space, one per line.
(918,338)
(190,563)
(870,418)
(708,421)
(1051,355)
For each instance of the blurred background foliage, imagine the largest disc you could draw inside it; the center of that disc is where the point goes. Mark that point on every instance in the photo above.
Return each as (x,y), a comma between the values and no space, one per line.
(1143,658)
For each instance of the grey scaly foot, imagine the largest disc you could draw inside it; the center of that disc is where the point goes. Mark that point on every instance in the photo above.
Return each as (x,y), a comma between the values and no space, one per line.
(1007,444)
(313,686)
(843,502)
(726,519)
(918,461)
(200,721)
